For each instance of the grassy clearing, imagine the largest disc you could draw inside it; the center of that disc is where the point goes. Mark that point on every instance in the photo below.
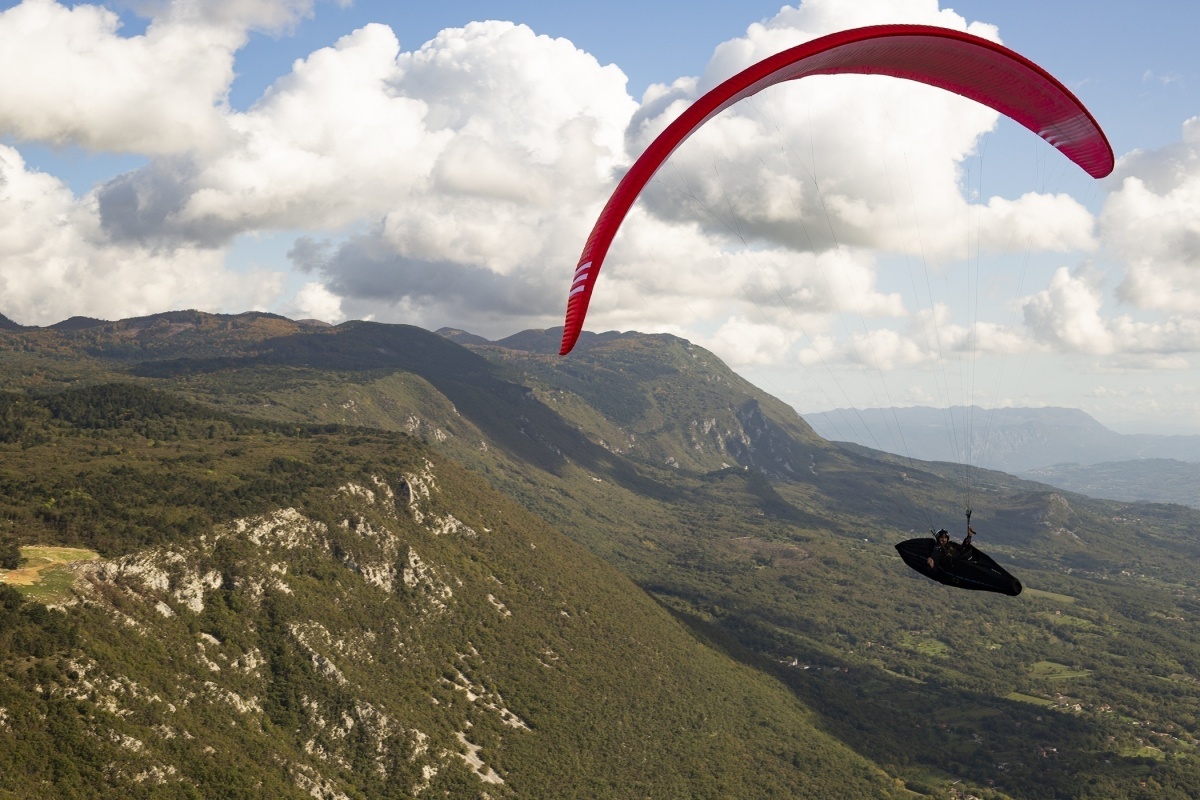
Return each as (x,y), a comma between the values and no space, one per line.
(44,574)
(930,647)
(902,677)
(1053,671)
(1145,751)
(1061,598)
(1028,698)
(1058,618)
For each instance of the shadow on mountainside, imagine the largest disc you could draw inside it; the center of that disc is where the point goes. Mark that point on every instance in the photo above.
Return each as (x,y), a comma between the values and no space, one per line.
(507,413)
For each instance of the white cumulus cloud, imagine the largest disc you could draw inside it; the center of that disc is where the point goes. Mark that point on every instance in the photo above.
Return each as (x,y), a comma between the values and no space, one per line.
(1152,221)
(72,78)
(1068,316)
(57,261)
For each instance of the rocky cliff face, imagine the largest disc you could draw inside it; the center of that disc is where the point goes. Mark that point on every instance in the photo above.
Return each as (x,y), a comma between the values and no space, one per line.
(763,444)
(234,670)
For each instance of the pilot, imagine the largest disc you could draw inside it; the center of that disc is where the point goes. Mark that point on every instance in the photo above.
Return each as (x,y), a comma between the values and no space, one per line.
(947,550)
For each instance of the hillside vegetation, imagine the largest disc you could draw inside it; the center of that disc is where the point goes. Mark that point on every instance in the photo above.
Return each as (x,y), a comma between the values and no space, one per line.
(297,611)
(711,506)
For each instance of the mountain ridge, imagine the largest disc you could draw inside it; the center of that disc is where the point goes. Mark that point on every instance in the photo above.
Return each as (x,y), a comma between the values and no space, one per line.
(1010,439)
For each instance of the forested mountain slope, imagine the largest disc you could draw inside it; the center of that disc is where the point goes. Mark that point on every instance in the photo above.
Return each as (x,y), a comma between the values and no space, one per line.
(291,611)
(768,543)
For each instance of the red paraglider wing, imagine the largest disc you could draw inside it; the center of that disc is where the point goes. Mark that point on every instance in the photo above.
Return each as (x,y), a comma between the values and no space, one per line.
(958,62)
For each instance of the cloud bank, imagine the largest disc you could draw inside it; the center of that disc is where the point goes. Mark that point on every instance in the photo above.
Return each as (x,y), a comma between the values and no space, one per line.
(454,184)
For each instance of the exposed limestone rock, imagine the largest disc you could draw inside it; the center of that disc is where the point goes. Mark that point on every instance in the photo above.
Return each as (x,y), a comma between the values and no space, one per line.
(441,526)
(491,701)
(205,660)
(309,780)
(153,589)
(248,706)
(417,487)
(250,662)
(127,742)
(472,759)
(156,775)
(381,575)
(286,528)
(303,636)
(424,581)
(354,490)
(499,606)
(190,591)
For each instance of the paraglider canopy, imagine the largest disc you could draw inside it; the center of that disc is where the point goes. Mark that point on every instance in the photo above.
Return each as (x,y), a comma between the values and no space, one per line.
(959,62)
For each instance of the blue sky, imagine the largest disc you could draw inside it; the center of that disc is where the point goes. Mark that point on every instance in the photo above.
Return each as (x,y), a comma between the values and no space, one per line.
(410,163)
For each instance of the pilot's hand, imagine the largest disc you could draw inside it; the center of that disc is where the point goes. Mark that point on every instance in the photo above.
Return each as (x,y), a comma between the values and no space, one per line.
(930,560)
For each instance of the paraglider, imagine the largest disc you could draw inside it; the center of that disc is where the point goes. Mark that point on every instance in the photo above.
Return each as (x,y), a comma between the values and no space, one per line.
(959,565)
(959,62)
(972,569)
(955,61)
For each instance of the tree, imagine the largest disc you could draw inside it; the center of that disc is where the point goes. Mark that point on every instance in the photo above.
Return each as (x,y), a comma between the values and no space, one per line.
(10,552)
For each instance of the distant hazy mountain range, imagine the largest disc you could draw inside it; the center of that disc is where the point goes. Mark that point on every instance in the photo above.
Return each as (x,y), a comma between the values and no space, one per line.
(1157,480)
(1064,447)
